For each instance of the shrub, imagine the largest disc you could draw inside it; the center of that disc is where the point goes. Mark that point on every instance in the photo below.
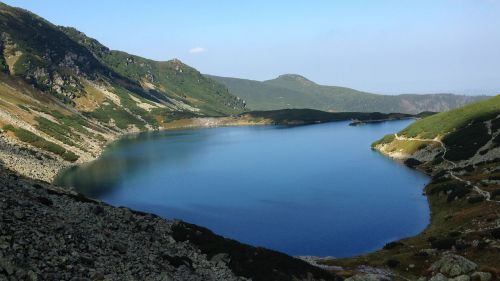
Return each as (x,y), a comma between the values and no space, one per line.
(37,141)
(458,192)
(8,127)
(392,263)
(495,193)
(443,243)
(392,245)
(496,233)
(475,199)
(412,162)
(70,156)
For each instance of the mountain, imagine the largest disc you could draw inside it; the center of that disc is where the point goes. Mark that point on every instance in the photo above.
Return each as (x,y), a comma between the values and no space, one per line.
(295,91)
(62,61)
(65,93)
(460,151)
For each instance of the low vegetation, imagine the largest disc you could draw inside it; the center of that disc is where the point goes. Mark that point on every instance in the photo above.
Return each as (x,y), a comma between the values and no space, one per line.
(39,142)
(308,116)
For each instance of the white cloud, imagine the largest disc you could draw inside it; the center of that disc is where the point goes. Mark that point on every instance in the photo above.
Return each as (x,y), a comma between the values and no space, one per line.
(197,50)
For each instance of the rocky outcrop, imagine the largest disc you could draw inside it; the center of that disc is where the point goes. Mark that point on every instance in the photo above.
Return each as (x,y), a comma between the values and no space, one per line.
(452,267)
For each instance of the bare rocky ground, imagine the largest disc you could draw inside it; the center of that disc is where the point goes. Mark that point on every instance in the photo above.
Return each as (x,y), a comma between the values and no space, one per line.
(29,161)
(50,234)
(47,233)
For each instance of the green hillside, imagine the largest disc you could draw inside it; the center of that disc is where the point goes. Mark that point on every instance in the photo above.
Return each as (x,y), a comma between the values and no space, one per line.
(444,123)
(65,93)
(295,91)
(58,60)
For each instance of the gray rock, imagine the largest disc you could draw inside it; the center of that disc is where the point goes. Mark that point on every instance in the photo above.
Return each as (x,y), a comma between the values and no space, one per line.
(221,258)
(452,265)
(6,266)
(367,277)
(438,277)
(460,278)
(18,215)
(482,276)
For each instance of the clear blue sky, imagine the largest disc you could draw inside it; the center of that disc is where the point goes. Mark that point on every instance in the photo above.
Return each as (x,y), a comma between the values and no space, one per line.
(380,46)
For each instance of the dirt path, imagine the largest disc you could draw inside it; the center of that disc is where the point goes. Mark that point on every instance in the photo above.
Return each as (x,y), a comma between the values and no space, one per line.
(476,188)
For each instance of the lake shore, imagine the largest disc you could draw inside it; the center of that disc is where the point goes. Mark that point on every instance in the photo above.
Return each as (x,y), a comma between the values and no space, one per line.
(41,165)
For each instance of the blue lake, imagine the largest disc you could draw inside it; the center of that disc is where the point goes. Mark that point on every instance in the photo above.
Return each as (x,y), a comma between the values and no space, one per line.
(306,190)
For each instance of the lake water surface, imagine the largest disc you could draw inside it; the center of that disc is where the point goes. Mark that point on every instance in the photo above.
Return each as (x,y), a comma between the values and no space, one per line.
(307,190)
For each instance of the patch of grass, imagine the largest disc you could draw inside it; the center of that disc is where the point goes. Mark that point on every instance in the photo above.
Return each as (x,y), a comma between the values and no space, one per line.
(386,139)
(69,156)
(24,108)
(37,141)
(121,117)
(57,131)
(129,103)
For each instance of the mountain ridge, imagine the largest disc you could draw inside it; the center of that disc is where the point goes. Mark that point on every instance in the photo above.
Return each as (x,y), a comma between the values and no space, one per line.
(297,91)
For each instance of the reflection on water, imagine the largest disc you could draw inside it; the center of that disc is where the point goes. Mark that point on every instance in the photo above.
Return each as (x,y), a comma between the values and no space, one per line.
(309,190)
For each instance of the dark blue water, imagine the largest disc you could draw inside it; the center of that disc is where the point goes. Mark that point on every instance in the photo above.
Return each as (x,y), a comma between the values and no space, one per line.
(307,190)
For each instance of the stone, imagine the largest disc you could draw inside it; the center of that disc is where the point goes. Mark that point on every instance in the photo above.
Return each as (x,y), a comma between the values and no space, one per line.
(97,210)
(453,265)
(98,276)
(18,215)
(221,258)
(481,276)
(32,276)
(6,266)
(460,278)
(438,277)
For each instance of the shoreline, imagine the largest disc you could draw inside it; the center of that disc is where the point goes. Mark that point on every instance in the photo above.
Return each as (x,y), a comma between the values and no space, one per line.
(212,122)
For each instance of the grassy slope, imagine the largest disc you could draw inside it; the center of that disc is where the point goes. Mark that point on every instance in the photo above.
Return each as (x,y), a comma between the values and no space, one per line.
(294,91)
(171,78)
(446,122)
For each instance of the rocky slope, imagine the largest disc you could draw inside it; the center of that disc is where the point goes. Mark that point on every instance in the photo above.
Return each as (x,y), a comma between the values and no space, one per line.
(295,91)
(49,233)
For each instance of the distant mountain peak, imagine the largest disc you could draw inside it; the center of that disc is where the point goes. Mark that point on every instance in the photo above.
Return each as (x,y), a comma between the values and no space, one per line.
(292,78)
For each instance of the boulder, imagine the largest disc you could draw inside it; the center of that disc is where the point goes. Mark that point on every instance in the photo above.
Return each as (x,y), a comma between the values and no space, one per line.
(438,277)
(452,265)
(481,276)
(460,278)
